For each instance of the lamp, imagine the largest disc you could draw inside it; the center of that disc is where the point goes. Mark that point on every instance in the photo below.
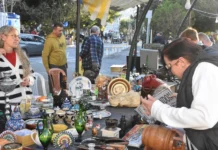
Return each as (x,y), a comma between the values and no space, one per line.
(187,4)
(216,21)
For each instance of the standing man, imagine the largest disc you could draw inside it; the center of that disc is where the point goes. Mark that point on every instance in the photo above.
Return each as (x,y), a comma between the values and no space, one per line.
(54,52)
(91,54)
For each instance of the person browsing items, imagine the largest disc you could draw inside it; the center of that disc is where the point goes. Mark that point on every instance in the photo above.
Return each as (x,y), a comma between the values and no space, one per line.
(14,60)
(54,51)
(91,54)
(197,103)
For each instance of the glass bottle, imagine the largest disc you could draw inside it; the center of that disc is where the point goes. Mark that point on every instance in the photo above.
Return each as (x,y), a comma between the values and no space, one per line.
(122,126)
(50,97)
(45,129)
(2,121)
(80,125)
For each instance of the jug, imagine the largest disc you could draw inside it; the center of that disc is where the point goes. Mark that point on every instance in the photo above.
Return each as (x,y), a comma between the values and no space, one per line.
(45,131)
(35,138)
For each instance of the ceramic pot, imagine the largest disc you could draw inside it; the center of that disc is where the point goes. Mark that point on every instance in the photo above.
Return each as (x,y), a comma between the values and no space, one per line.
(69,118)
(15,122)
(35,138)
(66,105)
(59,116)
(111,123)
(157,137)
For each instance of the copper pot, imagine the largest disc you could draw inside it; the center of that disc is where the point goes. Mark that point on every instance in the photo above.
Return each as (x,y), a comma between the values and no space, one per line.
(160,138)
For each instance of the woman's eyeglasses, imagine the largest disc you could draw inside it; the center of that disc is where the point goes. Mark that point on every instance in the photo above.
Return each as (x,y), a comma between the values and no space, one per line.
(14,36)
(169,66)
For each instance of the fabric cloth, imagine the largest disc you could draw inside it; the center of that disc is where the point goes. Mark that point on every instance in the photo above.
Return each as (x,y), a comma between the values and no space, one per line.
(11,57)
(54,51)
(198,114)
(17,74)
(92,52)
(97,9)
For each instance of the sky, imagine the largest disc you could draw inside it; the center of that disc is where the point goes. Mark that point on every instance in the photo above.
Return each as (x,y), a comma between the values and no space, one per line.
(125,14)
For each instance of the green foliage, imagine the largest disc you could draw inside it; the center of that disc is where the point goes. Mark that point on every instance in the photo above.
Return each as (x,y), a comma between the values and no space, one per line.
(124,25)
(34,12)
(167,17)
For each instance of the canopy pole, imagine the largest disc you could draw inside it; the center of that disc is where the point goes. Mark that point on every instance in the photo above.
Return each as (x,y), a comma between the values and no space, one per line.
(77,35)
(135,52)
(134,40)
(186,16)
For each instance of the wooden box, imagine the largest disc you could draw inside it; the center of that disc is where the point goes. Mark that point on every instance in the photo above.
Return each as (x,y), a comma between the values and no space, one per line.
(118,68)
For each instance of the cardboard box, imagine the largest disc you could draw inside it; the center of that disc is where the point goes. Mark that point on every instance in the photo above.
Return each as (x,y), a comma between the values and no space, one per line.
(118,68)
(24,137)
(111,133)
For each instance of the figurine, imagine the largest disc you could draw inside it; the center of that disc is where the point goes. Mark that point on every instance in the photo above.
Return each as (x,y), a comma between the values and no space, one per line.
(101,83)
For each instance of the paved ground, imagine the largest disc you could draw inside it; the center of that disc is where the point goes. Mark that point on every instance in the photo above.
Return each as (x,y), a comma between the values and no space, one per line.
(113,54)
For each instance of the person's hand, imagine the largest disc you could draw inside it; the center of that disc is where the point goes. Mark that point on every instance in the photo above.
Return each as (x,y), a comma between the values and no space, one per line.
(147,103)
(2,51)
(179,136)
(25,82)
(174,95)
(80,59)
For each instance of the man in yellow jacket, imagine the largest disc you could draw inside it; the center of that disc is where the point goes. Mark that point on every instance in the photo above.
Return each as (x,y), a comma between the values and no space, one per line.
(54,52)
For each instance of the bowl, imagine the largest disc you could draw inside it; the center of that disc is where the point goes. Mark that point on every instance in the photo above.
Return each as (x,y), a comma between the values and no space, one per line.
(59,127)
(31,123)
(13,146)
(111,123)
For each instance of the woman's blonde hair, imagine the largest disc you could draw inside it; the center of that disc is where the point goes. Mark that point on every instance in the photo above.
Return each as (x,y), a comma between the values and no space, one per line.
(21,54)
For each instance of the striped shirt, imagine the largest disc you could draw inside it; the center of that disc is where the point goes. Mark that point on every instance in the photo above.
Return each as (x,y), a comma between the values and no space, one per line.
(16,75)
(92,52)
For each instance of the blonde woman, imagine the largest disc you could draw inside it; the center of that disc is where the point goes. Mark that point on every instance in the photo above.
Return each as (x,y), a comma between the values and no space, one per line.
(14,60)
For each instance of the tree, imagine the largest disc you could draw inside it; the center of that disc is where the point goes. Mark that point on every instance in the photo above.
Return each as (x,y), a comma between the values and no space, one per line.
(167,17)
(34,12)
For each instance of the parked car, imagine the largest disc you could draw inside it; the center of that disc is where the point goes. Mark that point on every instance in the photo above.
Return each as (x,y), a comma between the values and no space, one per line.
(116,38)
(32,44)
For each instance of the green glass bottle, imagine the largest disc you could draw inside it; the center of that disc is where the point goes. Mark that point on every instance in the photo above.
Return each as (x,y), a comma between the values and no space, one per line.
(80,124)
(45,129)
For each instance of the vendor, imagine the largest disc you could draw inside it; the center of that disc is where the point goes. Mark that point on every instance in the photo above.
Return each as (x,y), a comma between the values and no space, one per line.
(14,60)
(197,102)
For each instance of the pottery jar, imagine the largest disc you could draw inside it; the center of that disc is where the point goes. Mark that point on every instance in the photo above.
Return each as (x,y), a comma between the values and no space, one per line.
(157,137)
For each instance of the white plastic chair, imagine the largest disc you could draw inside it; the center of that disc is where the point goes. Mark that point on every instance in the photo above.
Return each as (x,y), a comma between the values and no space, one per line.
(36,86)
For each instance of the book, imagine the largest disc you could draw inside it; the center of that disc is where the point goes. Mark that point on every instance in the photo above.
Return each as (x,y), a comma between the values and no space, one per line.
(162,93)
(134,136)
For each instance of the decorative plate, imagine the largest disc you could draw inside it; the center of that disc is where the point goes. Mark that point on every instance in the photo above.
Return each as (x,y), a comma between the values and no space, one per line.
(84,82)
(8,135)
(63,140)
(118,86)
(101,114)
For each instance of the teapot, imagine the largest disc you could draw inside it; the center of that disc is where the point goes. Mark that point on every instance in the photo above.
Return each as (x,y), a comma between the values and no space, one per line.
(35,138)
(15,122)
